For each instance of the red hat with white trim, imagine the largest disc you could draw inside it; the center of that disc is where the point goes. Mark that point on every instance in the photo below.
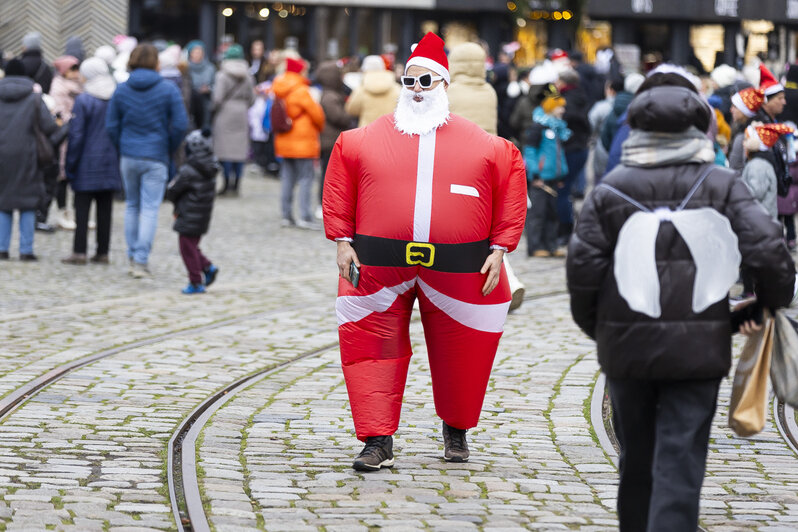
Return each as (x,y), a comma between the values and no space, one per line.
(748,101)
(768,134)
(768,83)
(429,53)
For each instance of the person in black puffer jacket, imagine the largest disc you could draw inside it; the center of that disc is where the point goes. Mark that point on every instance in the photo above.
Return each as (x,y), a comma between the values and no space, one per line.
(193,191)
(664,368)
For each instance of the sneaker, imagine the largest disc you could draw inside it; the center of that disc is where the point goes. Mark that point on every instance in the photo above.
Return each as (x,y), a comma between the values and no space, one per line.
(4,255)
(287,222)
(131,266)
(78,259)
(64,221)
(210,274)
(140,271)
(194,289)
(318,214)
(100,259)
(377,453)
(307,224)
(455,447)
(28,257)
(43,227)
(560,252)
(541,253)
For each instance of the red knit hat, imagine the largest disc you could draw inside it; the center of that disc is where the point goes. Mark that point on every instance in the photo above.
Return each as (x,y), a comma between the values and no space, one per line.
(748,101)
(768,83)
(429,53)
(294,65)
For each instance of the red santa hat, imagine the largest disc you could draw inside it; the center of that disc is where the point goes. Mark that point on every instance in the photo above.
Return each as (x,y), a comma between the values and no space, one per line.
(429,53)
(294,65)
(768,83)
(768,134)
(559,54)
(748,101)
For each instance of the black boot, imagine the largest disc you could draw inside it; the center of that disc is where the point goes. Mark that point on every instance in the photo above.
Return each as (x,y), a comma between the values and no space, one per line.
(455,447)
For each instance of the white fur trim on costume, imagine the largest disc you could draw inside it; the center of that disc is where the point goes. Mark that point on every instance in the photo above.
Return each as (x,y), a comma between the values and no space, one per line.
(464,190)
(426,62)
(738,103)
(423,204)
(487,318)
(355,308)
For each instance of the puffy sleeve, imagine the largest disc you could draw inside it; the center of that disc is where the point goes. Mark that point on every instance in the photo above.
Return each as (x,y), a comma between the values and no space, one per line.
(339,201)
(588,263)
(509,195)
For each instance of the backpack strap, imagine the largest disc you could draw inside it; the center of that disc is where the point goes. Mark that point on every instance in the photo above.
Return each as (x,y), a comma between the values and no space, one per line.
(695,187)
(625,196)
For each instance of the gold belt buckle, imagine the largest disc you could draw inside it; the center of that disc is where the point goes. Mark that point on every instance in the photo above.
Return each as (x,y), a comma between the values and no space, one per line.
(415,253)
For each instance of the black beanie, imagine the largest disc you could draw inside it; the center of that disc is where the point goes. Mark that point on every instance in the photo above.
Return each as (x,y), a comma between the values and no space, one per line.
(15,67)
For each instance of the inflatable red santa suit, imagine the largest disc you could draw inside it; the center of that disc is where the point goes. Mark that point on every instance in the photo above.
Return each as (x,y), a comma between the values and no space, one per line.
(430,203)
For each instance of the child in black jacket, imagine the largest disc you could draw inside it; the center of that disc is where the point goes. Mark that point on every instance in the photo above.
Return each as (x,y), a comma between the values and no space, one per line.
(193,191)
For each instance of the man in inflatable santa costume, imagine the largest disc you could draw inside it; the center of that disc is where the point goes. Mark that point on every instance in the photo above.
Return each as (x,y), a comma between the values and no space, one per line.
(425,203)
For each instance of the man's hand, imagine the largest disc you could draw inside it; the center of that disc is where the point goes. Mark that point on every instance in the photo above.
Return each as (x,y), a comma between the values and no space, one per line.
(493,267)
(750,327)
(346,255)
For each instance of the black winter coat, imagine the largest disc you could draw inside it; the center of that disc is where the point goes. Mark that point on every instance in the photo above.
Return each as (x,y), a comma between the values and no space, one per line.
(21,181)
(576,109)
(37,70)
(192,191)
(680,344)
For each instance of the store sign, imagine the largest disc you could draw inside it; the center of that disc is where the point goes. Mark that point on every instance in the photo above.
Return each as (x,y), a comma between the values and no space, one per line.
(642,6)
(726,8)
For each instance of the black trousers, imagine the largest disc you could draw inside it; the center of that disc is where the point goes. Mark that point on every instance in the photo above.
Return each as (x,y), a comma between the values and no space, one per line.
(105,205)
(663,431)
(541,221)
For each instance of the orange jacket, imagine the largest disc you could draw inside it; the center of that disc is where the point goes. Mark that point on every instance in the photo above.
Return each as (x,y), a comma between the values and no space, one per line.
(302,141)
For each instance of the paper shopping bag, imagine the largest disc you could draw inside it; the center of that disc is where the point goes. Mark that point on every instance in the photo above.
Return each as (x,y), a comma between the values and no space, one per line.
(748,407)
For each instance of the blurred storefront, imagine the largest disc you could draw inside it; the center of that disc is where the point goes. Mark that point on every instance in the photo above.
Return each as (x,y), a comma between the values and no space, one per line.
(321,29)
(702,34)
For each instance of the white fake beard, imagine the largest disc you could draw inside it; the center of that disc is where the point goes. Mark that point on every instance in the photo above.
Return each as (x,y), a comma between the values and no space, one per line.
(419,118)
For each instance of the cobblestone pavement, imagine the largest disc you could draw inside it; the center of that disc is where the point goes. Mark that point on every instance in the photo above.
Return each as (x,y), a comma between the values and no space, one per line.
(88,452)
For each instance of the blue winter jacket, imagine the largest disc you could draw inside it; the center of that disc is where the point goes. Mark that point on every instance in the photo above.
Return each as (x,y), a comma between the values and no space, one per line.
(543,148)
(92,162)
(146,117)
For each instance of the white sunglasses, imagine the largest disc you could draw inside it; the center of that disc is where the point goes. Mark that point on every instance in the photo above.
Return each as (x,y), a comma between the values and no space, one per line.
(424,81)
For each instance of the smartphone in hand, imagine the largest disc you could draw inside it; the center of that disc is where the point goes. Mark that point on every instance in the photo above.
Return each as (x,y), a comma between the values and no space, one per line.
(354,274)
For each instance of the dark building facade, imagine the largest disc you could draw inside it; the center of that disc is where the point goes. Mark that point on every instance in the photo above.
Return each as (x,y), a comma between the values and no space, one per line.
(322,29)
(670,27)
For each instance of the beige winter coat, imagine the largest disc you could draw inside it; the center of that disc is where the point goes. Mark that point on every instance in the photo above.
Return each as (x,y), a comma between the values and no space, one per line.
(377,96)
(470,96)
(233,95)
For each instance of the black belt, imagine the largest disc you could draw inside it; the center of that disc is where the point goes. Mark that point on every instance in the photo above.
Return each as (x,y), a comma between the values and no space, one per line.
(468,257)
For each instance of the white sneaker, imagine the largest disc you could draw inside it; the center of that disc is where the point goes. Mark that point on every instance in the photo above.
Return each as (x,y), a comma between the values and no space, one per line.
(140,271)
(304,224)
(319,214)
(286,222)
(64,222)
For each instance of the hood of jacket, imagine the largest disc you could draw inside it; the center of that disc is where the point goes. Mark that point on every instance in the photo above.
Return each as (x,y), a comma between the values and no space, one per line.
(15,88)
(237,68)
(467,62)
(286,83)
(142,79)
(329,76)
(203,162)
(378,82)
(669,109)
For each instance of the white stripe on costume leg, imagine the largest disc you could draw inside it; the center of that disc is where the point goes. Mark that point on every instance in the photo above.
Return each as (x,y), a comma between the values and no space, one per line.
(423,206)
(355,308)
(486,318)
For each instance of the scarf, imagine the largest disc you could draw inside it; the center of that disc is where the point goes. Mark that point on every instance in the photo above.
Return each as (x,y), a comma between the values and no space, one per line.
(652,148)
(555,124)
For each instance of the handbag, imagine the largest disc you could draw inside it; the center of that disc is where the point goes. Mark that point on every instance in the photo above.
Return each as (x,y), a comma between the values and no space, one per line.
(784,361)
(748,407)
(45,152)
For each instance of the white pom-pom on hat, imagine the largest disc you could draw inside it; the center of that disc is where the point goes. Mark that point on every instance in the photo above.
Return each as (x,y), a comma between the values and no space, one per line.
(413,47)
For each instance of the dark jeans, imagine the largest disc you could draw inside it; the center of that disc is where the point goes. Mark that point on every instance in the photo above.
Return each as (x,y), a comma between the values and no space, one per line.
(663,431)
(105,204)
(541,221)
(263,152)
(51,185)
(234,168)
(789,224)
(576,160)
(195,261)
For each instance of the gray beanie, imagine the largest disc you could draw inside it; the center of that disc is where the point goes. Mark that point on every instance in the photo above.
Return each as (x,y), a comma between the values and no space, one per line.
(199,141)
(32,41)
